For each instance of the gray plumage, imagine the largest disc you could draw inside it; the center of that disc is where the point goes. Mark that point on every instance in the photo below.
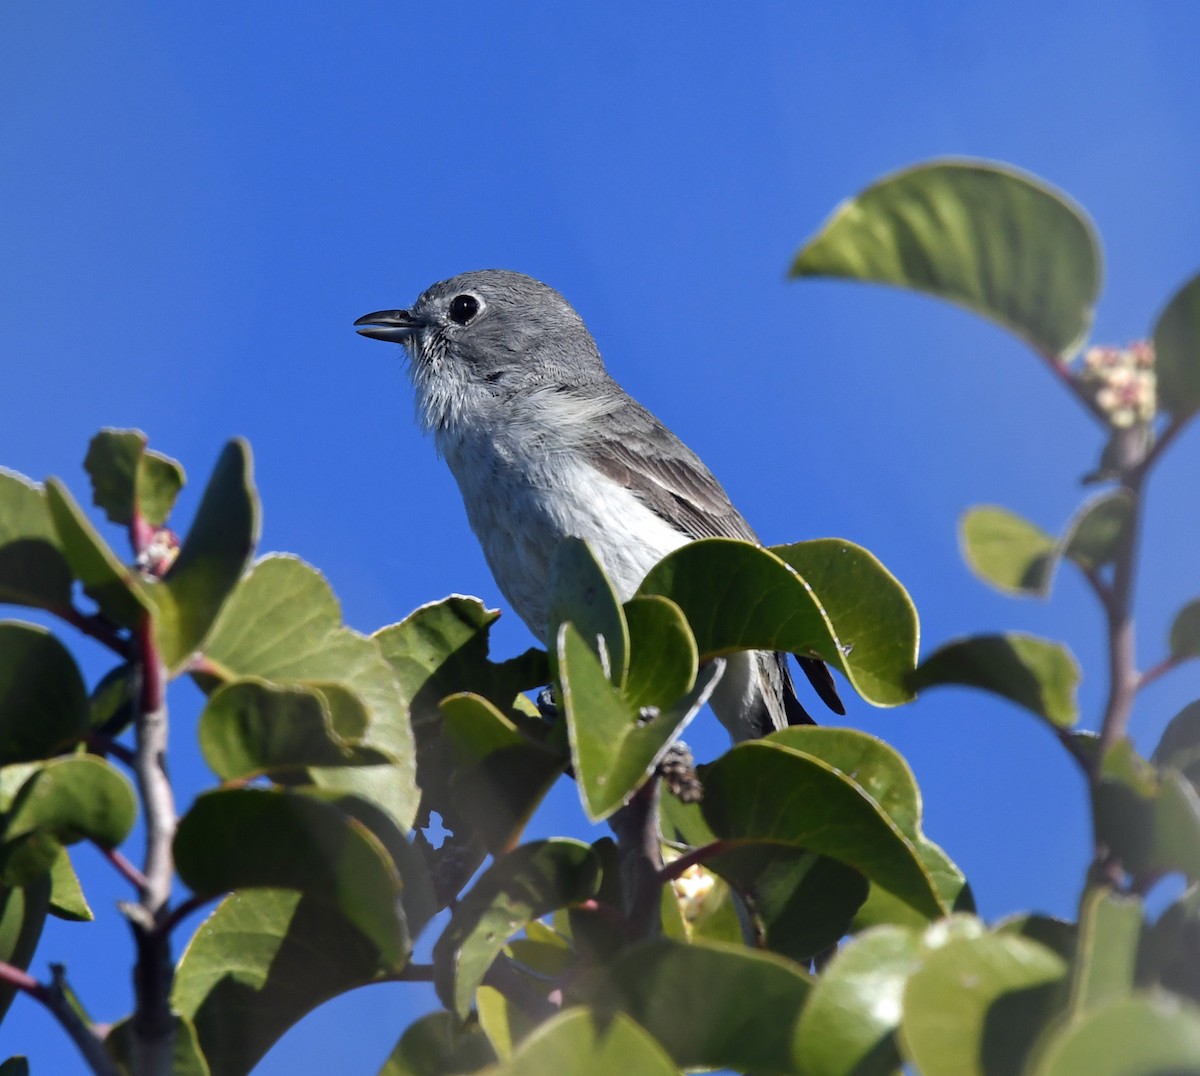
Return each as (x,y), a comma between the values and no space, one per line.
(545,444)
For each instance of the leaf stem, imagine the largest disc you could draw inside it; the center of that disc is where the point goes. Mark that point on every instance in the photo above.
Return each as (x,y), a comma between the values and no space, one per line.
(55,997)
(126,869)
(1155,671)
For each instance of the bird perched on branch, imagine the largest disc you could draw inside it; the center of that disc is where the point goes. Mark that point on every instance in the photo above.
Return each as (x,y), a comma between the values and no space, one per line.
(545,444)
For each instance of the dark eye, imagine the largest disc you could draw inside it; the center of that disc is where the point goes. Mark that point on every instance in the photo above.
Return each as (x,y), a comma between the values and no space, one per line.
(463,308)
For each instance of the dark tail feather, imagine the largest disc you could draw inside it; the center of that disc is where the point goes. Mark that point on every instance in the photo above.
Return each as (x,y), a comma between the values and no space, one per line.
(822,681)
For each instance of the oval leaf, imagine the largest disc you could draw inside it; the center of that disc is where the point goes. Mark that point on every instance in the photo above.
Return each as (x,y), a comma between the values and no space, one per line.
(1034,673)
(763,791)
(581,593)
(1177,352)
(848,1026)
(255,838)
(712,1005)
(74,799)
(437,1044)
(525,884)
(128,479)
(1008,552)
(33,570)
(975,1005)
(1185,632)
(663,659)
(580,1043)
(43,703)
(999,242)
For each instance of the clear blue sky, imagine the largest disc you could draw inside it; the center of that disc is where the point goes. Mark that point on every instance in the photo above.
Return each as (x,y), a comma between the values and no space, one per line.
(196,202)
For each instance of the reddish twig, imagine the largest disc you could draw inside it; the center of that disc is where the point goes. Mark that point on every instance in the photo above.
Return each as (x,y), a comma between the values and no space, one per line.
(94,627)
(1155,671)
(126,869)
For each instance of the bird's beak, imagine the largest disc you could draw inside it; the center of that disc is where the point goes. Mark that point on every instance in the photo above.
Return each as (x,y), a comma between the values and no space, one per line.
(394,326)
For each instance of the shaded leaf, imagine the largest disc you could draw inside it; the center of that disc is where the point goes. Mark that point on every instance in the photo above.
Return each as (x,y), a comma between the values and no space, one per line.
(849,1024)
(254,727)
(1179,747)
(282,623)
(211,560)
(503,1023)
(22,916)
(975,1005)
(17,1065)
(613,747)
(711,1005)
(255,838)
(115,587)
(43,703)
(1177,352)
(33,570)
(437,1044)
(1150,1034)
(738,596)
(1007,551)
(126,476)
(501,774)
(1110,927)
(581,593)
(994,240)
(186,1057)
(527,883)
(580,1043)
(113,702)
(1093,537)
(1057,935)
(1185,632)
(766,792)
(260,962)
(1036,674)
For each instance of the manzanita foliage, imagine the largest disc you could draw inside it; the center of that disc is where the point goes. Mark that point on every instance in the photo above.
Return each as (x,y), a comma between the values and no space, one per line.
(777,910)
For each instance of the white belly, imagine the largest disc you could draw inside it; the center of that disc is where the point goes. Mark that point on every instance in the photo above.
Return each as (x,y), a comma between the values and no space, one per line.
(521,509)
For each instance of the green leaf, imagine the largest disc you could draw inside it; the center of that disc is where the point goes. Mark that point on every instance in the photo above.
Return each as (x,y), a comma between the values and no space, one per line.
(251,727)
(501,775)
(1170,949)
(1110,928)
(260,962)
(580,1043)
(1153,1034)
(525,884)
(66,896)
(765,792)
(849,1024)
(255,838)
(436,1044)
(1057,935)
(186,1056)
(33,570)
(581,593)
(1093,537)
(711,1005)
(113,702)
(1007,551)
(211,560)
(975,1005)
(64,801)
(22,916)
(1177,352)
(1185,632)
(991,239)
(43,703)
(613,747)
(282,624)
(114,587)
(1179,747)
(663,659)
(738,596)
(17,1065)
(872,614)
(128,478)
(1034,673)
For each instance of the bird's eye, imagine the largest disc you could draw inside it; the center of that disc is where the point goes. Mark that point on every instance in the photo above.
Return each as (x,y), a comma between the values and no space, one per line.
(463,309)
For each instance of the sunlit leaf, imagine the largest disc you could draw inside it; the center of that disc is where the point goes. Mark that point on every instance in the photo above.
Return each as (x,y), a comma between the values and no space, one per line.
(127,477)
(66,896)
(580,1043)
(1007,551)
(581,593)
(1037,674)
(1110,927)
(662,653)
(999,242)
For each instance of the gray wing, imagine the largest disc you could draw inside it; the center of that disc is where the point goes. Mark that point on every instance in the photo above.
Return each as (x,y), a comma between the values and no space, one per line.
(672,481)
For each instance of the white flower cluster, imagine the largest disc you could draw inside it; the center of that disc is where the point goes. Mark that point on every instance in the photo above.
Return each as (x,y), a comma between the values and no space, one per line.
(1121,381)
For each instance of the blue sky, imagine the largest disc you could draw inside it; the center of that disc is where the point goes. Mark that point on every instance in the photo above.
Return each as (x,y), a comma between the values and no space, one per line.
(196,203)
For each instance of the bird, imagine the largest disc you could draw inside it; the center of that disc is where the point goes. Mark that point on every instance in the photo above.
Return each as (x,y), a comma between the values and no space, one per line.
(544,444)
